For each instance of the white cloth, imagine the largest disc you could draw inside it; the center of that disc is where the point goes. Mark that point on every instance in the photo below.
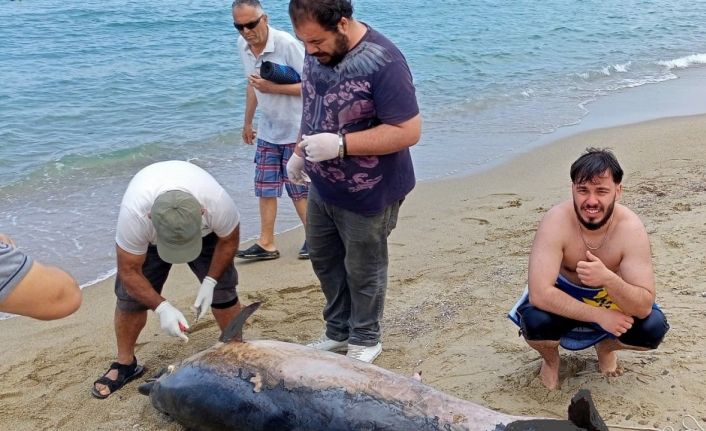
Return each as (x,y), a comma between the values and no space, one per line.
(279,114)
(135,230)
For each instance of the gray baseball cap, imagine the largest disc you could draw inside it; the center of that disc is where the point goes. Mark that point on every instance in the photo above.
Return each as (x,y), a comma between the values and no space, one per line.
(176,217)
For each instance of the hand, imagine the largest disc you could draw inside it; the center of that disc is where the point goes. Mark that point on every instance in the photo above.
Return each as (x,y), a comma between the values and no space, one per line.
(262,85)
(614,321)
(295,170)
(592,272)
(320,147)
(248,134)
(204,298)
(172,321)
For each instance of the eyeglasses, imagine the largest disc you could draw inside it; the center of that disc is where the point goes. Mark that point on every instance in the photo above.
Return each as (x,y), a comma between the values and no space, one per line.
(249,25)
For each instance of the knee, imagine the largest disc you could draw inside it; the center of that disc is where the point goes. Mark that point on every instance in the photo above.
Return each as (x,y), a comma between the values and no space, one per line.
(537,324)
(73,299)
(648,332)
(66,297)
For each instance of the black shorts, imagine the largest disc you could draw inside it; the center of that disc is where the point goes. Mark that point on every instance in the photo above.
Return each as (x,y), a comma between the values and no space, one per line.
(156,271)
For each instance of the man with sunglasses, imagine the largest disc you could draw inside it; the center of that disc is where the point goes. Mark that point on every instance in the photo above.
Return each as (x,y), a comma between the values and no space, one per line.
(359,119)
(280,112)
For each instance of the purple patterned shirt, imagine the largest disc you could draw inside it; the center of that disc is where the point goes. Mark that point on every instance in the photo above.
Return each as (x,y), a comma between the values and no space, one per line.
(370,86)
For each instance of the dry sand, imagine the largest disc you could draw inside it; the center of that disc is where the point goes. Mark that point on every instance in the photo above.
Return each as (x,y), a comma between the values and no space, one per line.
(458,262)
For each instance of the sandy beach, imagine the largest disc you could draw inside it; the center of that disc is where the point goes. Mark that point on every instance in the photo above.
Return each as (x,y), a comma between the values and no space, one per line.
(458,261)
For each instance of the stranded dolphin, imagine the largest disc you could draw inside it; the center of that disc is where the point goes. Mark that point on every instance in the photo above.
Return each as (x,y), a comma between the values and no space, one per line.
(272,385)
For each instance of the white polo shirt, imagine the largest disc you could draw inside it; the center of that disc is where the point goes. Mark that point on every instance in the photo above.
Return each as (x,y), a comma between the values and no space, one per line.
(135,230)
(279,114)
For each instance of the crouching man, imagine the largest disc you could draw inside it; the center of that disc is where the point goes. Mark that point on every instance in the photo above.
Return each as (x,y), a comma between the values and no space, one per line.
(591,281)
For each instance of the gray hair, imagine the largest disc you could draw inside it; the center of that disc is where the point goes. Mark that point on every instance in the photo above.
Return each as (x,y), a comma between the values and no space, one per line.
(254,3)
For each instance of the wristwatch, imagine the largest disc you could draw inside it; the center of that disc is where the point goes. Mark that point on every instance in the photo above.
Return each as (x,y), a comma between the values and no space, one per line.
(341,145)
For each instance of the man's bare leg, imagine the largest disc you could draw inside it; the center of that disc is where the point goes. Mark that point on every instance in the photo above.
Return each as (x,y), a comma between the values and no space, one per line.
(549,372)
(608,357)
(128,326)
(268,214)
(607,351)
(300,206)
(225,315)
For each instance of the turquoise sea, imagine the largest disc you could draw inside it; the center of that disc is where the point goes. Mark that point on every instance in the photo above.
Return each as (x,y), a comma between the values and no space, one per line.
(92,91)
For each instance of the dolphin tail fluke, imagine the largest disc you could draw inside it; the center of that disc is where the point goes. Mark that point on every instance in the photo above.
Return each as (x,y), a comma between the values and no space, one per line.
(583,412)
(234,330)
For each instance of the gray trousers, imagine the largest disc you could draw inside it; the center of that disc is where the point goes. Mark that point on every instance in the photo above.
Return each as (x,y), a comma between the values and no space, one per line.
(348,252)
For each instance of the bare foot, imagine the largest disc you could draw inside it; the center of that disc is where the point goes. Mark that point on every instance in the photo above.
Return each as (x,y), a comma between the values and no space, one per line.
(103,389)
(608,358)
(549,375)
(608,364)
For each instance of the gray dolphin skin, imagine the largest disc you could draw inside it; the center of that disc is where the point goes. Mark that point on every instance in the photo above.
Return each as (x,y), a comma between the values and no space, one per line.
(271,385)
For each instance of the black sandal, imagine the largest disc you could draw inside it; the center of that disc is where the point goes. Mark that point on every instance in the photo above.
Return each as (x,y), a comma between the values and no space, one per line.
(126,373)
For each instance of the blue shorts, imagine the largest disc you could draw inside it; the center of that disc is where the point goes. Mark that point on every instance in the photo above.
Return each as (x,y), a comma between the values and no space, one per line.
(14,265)
(539,325)
(271,171)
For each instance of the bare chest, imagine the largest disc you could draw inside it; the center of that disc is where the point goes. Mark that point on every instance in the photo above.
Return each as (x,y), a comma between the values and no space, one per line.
(609,253)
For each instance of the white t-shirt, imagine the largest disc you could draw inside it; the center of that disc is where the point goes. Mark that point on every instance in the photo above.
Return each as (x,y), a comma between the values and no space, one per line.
(135,230)
(280,114)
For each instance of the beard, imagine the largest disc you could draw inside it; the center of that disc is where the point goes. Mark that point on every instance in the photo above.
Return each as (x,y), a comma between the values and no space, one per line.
(595,225)
(340,50)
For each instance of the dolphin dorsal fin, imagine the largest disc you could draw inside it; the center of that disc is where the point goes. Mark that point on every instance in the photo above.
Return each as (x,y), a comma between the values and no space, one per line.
(233,332)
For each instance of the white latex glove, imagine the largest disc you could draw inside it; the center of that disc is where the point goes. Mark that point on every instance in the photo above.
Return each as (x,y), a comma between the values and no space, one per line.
(295,170)
(320,147)
(204,298)
(172,321)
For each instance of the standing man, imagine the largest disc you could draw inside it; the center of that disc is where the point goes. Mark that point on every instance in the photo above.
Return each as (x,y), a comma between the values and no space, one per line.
(31,289)
(360,117)
(172,212)
(280,114)
(590,274)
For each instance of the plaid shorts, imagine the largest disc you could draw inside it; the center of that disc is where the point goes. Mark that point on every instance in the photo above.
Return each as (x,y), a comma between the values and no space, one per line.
(271,171)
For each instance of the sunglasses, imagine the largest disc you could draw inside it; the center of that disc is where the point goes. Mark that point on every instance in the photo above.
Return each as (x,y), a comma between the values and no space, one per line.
(249,25)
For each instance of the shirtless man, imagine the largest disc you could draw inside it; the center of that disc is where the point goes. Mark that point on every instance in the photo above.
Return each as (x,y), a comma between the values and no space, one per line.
(590,267)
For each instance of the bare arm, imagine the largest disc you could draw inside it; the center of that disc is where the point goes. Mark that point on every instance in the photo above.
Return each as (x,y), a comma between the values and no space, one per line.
(248,133)
(544,265)
(6,239)
(633,289)
(135,282)
(264,86)
(224,253)
(45,293)
(384,138)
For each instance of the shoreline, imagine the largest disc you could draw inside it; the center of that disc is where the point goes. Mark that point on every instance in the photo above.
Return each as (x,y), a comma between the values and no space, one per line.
(61,235)
(458,260)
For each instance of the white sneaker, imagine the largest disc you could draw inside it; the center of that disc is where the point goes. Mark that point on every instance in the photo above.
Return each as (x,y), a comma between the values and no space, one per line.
(364,353)
(325,343)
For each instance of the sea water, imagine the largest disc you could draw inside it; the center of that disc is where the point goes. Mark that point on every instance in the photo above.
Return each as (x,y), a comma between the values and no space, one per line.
(92,91)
